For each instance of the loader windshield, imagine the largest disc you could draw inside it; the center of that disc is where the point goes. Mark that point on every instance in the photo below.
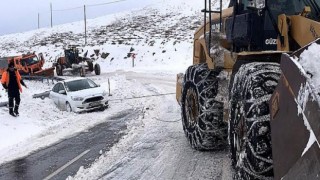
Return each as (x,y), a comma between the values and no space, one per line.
(315,8)
(288,7)
(294,7)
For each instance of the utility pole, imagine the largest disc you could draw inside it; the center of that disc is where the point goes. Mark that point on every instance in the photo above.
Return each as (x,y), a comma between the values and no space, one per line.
(51,13)
(133,56)
(38,20)
(85,24)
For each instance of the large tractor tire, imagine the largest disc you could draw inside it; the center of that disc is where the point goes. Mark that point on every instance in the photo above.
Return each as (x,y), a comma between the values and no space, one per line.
(59,70)
(249,128)
(202,115)
(97,69)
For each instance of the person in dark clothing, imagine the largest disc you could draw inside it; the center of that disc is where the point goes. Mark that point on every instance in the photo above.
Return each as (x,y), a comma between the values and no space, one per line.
(11,81)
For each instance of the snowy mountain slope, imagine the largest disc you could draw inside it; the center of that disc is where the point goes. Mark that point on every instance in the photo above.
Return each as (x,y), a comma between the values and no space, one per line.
(161,34)
(164,28)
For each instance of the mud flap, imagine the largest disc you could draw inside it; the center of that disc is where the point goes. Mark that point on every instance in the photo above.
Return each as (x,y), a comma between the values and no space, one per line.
(295,117)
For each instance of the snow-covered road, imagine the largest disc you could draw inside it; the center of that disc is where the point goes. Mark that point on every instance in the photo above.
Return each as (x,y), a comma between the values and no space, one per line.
(155,147)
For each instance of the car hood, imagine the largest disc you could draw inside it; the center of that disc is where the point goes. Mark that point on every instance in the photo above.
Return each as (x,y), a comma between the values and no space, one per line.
(98,91)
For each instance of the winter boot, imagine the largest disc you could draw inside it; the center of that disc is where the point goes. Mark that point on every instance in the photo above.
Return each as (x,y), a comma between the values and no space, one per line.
(11,112)
(16,110)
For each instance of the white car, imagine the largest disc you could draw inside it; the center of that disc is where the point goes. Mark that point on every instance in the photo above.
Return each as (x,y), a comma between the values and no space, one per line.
(78,95)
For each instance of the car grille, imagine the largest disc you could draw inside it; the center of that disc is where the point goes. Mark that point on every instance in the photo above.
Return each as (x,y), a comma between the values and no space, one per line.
(93,99)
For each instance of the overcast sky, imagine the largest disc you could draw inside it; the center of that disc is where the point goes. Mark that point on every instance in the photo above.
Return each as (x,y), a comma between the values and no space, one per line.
(22,15)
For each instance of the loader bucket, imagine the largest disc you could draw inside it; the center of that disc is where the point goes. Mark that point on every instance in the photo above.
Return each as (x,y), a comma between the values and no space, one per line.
(295,121)
(49,72)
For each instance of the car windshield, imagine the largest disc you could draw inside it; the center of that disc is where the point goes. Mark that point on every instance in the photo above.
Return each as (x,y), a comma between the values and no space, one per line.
(79,85)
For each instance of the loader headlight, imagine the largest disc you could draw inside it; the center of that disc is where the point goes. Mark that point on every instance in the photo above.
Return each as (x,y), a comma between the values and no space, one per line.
(260,4)
(257,4)
(77,98)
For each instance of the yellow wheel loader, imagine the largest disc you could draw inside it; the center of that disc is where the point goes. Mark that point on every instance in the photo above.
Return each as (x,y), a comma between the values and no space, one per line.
(248,92)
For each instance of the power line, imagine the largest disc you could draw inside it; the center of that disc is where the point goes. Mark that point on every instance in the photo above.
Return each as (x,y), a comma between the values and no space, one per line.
(90,5)
(75,8)
(101,4)
(79,7)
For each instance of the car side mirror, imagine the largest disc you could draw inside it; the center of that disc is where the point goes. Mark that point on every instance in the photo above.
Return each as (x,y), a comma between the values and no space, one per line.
(62,92)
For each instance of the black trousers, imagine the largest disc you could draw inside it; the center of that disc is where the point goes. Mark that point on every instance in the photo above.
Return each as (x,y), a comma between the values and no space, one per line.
(14,97)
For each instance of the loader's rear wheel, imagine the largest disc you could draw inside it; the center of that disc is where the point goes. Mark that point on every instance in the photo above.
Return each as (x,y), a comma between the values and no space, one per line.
(62,68)
(202,115)
(249,132)
(97,69)
(59,70)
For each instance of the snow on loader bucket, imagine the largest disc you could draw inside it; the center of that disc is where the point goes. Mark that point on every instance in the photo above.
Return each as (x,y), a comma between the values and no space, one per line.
(295,120)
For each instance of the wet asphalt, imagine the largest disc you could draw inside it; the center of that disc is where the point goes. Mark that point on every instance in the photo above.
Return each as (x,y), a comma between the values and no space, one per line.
(87,146)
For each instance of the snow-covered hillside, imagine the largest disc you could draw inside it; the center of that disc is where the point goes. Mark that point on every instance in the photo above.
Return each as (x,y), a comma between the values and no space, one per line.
(161,36)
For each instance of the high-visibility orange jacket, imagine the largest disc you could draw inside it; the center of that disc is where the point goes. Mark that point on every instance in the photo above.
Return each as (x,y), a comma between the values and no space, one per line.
(5,79)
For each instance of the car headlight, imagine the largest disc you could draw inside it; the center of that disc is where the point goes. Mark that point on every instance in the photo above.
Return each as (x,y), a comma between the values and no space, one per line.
(77,98)
(104,93)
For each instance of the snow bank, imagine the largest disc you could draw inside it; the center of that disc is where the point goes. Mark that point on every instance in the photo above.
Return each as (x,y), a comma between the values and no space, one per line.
(310,61)
(310,65)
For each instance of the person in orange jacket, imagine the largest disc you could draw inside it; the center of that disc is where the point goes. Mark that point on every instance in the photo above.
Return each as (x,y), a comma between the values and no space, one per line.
(11,81)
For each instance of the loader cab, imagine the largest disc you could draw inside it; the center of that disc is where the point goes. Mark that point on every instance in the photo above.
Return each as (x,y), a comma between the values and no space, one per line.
(72,56)
(254,29)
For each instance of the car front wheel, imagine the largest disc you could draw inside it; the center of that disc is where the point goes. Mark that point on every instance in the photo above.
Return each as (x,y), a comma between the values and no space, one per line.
(69,109)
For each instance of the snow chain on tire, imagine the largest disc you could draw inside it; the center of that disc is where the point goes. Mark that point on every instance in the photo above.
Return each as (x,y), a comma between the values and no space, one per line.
(202,115)
(249,123)
(59,70)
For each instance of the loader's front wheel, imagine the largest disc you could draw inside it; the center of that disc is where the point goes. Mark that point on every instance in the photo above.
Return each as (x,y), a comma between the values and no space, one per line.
(90,66)
(249,132)
(97,69)
(82,72)
(202,115)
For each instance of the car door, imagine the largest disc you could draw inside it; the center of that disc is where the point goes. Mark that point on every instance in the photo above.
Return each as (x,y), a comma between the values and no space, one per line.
(54,94)
(62,97)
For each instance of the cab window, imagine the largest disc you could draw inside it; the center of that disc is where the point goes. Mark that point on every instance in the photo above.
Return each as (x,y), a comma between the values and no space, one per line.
(61,87)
